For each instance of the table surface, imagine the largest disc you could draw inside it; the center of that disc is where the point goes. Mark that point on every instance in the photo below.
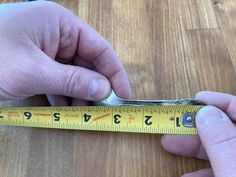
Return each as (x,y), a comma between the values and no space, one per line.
(171,49)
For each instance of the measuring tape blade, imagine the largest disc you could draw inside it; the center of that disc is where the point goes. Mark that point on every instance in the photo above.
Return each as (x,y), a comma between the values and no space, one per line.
(177,119)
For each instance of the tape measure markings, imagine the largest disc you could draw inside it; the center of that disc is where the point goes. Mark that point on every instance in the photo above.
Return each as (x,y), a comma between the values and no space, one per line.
(146,119)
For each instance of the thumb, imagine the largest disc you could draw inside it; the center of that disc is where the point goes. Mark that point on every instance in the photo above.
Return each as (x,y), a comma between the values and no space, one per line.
(218,135)
(72,81)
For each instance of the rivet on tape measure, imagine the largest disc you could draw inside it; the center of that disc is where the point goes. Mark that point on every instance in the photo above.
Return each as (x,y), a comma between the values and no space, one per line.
(174,119)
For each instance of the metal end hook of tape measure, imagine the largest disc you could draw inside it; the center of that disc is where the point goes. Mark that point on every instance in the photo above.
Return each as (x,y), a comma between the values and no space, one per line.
(114,100)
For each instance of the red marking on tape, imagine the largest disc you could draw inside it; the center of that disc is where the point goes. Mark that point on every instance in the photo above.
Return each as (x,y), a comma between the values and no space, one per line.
(101,117)
(41,114)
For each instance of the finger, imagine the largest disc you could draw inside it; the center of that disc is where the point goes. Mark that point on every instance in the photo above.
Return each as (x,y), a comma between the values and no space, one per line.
(58,100)
(218,135)
(223,101)
(201,173)
(184,145)
(95,49)
(72,81)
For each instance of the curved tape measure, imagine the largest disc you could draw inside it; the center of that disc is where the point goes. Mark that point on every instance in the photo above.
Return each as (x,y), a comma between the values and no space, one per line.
(177,119)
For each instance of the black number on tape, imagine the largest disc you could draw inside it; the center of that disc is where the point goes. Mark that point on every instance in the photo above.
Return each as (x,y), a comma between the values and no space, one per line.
(28,115)
(56,116)
(177,122)
(117,118)
(148,120)
(87,117)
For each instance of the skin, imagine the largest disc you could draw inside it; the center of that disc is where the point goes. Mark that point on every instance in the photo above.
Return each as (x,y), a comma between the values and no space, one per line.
(217,136)
(46,49)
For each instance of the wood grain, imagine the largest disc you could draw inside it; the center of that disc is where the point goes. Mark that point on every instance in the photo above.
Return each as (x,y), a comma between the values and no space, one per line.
(171,49)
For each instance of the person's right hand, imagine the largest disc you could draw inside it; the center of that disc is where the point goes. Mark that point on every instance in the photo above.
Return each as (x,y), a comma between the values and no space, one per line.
(47,49)
(217,134)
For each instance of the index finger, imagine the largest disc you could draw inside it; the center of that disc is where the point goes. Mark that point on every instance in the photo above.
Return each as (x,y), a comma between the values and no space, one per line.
(93,48)
(223,101)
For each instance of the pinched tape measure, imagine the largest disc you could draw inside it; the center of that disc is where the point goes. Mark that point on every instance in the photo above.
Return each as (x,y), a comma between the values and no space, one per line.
(111,114)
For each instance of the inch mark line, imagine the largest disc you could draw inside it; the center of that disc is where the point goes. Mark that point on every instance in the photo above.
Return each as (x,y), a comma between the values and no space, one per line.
(101,117)
(42,114)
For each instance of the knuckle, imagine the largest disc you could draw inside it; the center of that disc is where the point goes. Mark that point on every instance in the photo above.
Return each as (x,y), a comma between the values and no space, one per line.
(73,83)
(49,4)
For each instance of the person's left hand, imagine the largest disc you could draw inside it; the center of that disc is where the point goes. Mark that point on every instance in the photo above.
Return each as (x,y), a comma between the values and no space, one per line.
(47,49)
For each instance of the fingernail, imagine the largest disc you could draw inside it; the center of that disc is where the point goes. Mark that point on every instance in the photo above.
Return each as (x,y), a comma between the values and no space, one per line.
(99,88)
(208,115)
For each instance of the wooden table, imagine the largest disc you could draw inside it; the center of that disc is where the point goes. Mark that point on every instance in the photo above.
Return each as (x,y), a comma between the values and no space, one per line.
(171,49)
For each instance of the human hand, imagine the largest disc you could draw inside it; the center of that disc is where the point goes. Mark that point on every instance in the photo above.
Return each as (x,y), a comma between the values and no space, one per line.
(217,136)
(46,49)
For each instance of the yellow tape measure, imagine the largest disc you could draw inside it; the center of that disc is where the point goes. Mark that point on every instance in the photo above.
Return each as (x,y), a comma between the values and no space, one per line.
(177,119)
